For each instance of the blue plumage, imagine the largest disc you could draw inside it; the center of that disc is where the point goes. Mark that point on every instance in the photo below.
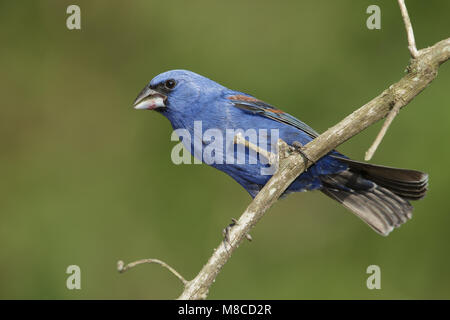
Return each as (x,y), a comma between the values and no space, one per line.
(201,99)
(376,194)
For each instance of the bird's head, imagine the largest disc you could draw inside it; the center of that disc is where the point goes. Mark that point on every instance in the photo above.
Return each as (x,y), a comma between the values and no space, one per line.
(179,92)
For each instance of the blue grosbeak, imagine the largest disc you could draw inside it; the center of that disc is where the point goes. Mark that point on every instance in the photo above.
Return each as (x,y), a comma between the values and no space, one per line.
(377,194)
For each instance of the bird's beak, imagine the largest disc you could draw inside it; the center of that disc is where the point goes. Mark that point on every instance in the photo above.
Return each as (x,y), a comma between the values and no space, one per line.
(150,99)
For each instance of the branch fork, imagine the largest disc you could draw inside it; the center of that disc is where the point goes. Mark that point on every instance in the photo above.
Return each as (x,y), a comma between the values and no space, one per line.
(396,109)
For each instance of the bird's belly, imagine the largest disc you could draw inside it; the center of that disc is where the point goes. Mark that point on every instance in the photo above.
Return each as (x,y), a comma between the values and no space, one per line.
(250,177)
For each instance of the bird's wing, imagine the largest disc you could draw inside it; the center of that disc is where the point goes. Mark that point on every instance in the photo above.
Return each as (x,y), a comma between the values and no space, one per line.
(256,106)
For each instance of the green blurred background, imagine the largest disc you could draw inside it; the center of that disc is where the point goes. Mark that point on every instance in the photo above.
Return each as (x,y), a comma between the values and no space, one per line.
(87,180)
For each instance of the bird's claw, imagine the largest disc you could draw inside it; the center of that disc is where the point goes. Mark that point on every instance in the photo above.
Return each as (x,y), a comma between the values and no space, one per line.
(299,148)
(226,233)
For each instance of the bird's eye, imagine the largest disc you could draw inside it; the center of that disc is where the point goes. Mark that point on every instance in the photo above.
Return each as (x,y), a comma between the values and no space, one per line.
(170,84)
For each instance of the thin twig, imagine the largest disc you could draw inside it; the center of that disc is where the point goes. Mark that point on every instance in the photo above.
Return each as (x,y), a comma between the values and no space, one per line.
(271,157)
(409,29)
(122,268)
(392,114)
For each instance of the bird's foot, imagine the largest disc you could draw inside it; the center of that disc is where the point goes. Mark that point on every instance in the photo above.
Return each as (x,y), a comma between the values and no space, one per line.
(226,233)
(299,148)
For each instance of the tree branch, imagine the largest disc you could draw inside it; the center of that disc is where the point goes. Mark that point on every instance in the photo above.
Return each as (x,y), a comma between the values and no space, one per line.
(421,73)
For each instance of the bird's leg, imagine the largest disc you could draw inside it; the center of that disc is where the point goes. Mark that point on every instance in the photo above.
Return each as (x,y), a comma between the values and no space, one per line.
(299,148)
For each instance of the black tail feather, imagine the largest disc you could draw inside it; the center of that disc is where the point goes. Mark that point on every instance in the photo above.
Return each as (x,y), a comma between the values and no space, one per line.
(409,184)
(377,194)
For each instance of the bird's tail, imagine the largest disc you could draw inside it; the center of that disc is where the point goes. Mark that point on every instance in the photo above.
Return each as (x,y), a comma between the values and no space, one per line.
(377,194)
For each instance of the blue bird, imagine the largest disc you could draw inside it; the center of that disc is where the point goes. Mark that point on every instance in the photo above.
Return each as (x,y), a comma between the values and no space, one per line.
(376,194)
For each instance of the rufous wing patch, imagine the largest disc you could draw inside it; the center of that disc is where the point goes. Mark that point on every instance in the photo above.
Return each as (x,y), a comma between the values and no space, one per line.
(241,97)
